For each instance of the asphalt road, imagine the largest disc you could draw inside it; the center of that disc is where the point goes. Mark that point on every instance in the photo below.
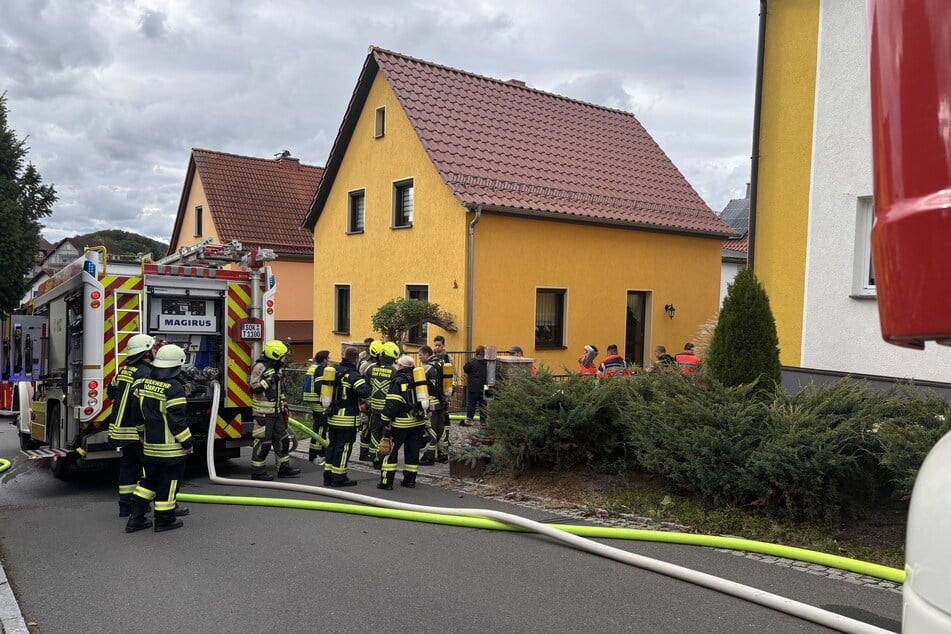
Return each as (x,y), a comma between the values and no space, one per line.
(74,569)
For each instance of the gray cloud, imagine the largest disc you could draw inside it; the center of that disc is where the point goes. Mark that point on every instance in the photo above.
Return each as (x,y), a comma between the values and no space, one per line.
(114,93)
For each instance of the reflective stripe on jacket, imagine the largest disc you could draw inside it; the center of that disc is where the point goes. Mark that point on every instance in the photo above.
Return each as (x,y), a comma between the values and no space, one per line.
(126,415)
(351,388)
(687,362)
(166,433)
(400,408)
(267,389)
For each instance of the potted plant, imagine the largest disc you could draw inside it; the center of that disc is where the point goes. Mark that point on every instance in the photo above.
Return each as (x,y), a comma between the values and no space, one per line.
(469,460)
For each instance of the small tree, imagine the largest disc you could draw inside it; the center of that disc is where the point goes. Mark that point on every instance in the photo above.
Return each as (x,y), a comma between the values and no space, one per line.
(398,316)
(745,346)
(23,201)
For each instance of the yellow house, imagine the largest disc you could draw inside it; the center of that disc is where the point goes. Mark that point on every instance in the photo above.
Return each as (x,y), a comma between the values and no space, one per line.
(535,220)
(259,203)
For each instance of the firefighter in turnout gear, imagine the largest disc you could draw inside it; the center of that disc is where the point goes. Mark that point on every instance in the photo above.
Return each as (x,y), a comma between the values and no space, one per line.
(312,383)
(405,417)
(379,377)
(343,416)
(166,440)
(366,365)
(126,416)
(437,449)
(269,405)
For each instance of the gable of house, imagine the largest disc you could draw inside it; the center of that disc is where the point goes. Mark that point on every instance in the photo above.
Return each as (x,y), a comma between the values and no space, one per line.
(510,166)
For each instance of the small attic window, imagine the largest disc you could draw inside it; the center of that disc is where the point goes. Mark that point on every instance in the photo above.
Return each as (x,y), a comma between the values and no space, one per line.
(198,221)
(380,129)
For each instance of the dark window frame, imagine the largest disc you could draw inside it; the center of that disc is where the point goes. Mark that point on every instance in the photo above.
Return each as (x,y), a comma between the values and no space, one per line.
(418,335)
(550,327)
(402,219)
(198,220)
(342,309)
(379,127)
(355,195)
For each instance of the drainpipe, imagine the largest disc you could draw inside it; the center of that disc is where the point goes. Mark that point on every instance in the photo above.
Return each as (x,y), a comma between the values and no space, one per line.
(757,115)
(469,275)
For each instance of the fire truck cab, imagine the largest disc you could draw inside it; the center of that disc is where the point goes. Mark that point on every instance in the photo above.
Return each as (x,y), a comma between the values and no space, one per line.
(85,315)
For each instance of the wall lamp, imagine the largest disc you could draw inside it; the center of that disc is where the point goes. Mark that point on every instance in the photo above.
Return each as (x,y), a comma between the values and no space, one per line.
(670,310)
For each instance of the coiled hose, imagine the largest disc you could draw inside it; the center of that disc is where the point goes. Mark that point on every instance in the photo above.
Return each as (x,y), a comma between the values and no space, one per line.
(413,512)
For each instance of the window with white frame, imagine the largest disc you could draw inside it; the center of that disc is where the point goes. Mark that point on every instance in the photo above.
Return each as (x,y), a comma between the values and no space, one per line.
(863,276)
(379,129)
(418,334)
(550,317)
(356,211)
(403,203)
(342,309)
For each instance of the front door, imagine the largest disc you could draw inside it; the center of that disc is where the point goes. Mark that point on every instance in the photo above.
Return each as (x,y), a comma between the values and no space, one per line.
(636,327)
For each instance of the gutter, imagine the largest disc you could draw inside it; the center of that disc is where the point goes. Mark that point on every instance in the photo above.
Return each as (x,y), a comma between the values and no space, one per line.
(757,115)
(470,274)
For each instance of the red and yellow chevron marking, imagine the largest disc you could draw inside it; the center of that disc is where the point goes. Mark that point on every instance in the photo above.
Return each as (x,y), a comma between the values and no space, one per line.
(116,320)
(237,391)
(228,428)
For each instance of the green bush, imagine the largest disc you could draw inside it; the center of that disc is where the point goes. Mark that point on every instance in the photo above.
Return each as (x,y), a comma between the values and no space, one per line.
(831,451)
(745,347)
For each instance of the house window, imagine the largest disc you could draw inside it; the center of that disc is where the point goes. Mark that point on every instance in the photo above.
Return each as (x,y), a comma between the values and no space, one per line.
(342,309)
(418,334)
(198,211)
(403,203)
(380,128)
(863,276)
(355,216)
(550,317)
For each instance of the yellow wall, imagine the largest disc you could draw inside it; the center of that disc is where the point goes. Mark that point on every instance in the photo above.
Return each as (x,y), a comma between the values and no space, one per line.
(196,196)
(378,263)
(597,265)
(782,203)
(513,256)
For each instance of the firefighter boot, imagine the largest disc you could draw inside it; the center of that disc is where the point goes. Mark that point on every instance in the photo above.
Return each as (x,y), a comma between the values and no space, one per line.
(166,521)
(262,475)
(125,505)
(137,520)
(328,477)
(342,481)
(408,481)
(364,454)
(287,471)
(181,511)
(386,481)
(428,459)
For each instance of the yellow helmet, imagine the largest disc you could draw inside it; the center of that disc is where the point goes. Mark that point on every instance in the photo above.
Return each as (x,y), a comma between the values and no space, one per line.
(139,344)
(275,350)
(376,348)
(391,350)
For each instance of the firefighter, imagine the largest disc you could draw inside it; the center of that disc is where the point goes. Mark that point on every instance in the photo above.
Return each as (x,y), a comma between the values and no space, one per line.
(405,418)
(269,406)
(166,440)
(343,417)
(126,416)
(378,376)
(366,365)
(311,393)
(437,449)
(687,361)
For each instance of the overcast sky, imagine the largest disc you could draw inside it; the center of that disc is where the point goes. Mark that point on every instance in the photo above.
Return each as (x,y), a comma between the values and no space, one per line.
(113,94)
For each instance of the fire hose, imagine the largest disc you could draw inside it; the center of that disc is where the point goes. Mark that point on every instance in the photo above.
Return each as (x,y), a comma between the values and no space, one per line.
(507,521)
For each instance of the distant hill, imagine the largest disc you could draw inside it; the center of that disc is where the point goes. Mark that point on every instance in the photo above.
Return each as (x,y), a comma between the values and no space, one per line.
(120,242)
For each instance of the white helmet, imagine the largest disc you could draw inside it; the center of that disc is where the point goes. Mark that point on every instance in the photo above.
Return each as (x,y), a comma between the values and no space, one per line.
(169,356)
(139,344)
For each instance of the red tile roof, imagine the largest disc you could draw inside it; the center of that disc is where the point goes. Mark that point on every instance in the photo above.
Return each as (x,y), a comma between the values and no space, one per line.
(741,245)
(258,202)
(504,146)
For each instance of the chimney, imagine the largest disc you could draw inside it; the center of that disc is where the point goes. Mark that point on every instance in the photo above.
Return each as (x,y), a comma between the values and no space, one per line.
(747,191)
(285,157)
(516,82)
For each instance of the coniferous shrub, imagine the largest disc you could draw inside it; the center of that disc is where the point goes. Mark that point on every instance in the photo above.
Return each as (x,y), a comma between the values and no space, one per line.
(745,347)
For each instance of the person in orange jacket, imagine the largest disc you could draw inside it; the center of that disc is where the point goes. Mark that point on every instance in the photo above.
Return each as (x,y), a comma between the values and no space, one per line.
(687,361)
(613,364)
(586,361)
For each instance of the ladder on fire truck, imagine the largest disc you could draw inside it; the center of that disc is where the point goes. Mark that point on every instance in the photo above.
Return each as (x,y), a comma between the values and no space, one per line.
(128,310)
(204,252)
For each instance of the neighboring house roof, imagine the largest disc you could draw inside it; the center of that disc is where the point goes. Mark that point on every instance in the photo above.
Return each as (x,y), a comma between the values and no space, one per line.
(258,202)
(507,147)
(83,242)
(737,215)
(737,247)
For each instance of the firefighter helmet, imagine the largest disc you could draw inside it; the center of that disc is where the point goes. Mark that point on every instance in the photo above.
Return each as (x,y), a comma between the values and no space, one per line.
(169,356)
(275,350)
(376,348)
(391,350)
(139,344)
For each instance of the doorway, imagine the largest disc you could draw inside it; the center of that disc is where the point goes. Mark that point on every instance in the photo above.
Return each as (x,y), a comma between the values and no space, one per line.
(636,329)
